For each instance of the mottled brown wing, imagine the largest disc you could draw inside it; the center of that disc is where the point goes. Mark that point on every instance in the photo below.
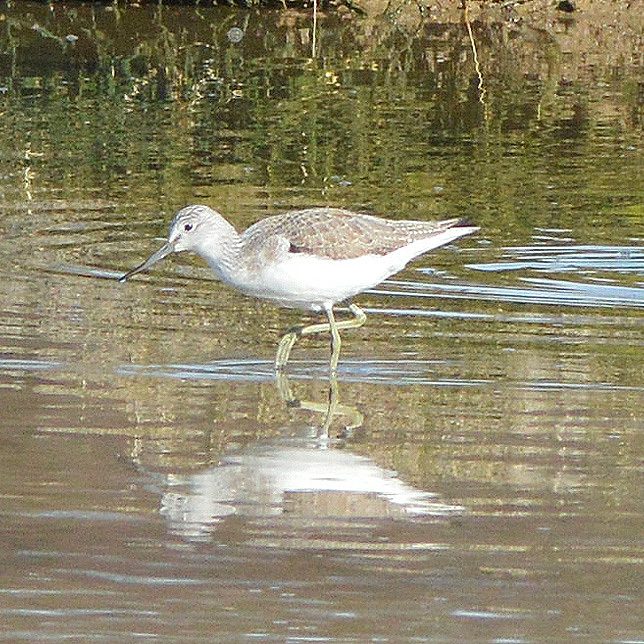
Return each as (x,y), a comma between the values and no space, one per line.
(341,234)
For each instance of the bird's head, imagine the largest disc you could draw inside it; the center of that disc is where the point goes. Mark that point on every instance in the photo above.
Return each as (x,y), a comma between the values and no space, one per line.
(190,230)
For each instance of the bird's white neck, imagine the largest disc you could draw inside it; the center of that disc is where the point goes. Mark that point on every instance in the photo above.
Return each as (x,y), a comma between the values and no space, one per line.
(221,247)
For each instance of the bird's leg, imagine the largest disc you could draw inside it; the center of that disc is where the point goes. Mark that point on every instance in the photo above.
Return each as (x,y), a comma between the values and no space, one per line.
(289,339)
(284,390)
(336,342)
(330,409)
(285,346)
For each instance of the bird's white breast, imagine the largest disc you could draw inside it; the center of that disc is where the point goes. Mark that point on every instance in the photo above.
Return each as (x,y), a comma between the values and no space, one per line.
(308,282)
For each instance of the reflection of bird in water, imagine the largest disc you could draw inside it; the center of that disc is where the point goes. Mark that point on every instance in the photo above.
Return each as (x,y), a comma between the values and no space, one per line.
(330,409)
(306,259)
(274,478)
(305,478)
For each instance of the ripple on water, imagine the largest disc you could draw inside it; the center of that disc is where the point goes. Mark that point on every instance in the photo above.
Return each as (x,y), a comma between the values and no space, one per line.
(603,277)
(544,291)
(393,372)
(622,259)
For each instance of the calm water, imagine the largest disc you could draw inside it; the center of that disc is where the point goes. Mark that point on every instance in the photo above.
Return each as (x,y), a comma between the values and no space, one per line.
(481,479)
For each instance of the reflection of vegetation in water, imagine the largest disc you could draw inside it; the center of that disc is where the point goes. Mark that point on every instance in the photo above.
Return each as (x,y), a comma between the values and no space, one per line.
(153,99)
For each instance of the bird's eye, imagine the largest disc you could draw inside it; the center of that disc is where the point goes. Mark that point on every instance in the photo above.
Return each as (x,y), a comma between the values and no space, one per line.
(187,227)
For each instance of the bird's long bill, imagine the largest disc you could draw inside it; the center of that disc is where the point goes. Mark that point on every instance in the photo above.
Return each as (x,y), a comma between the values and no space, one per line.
(164,251)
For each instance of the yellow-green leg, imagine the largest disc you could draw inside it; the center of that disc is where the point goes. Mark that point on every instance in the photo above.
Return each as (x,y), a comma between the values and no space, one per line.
(336,343)
(288,340)
(330,409)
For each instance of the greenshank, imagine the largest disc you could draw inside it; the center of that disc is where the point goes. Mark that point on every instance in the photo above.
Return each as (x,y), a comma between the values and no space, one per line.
(305,259)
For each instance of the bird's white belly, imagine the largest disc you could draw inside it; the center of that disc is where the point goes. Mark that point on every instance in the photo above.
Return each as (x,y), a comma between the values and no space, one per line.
(311,283)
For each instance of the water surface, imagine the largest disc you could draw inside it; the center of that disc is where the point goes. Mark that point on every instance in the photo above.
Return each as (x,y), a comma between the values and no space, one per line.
(480,479)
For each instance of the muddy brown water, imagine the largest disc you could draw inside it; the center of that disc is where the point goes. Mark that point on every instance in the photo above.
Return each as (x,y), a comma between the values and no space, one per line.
(482,477)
